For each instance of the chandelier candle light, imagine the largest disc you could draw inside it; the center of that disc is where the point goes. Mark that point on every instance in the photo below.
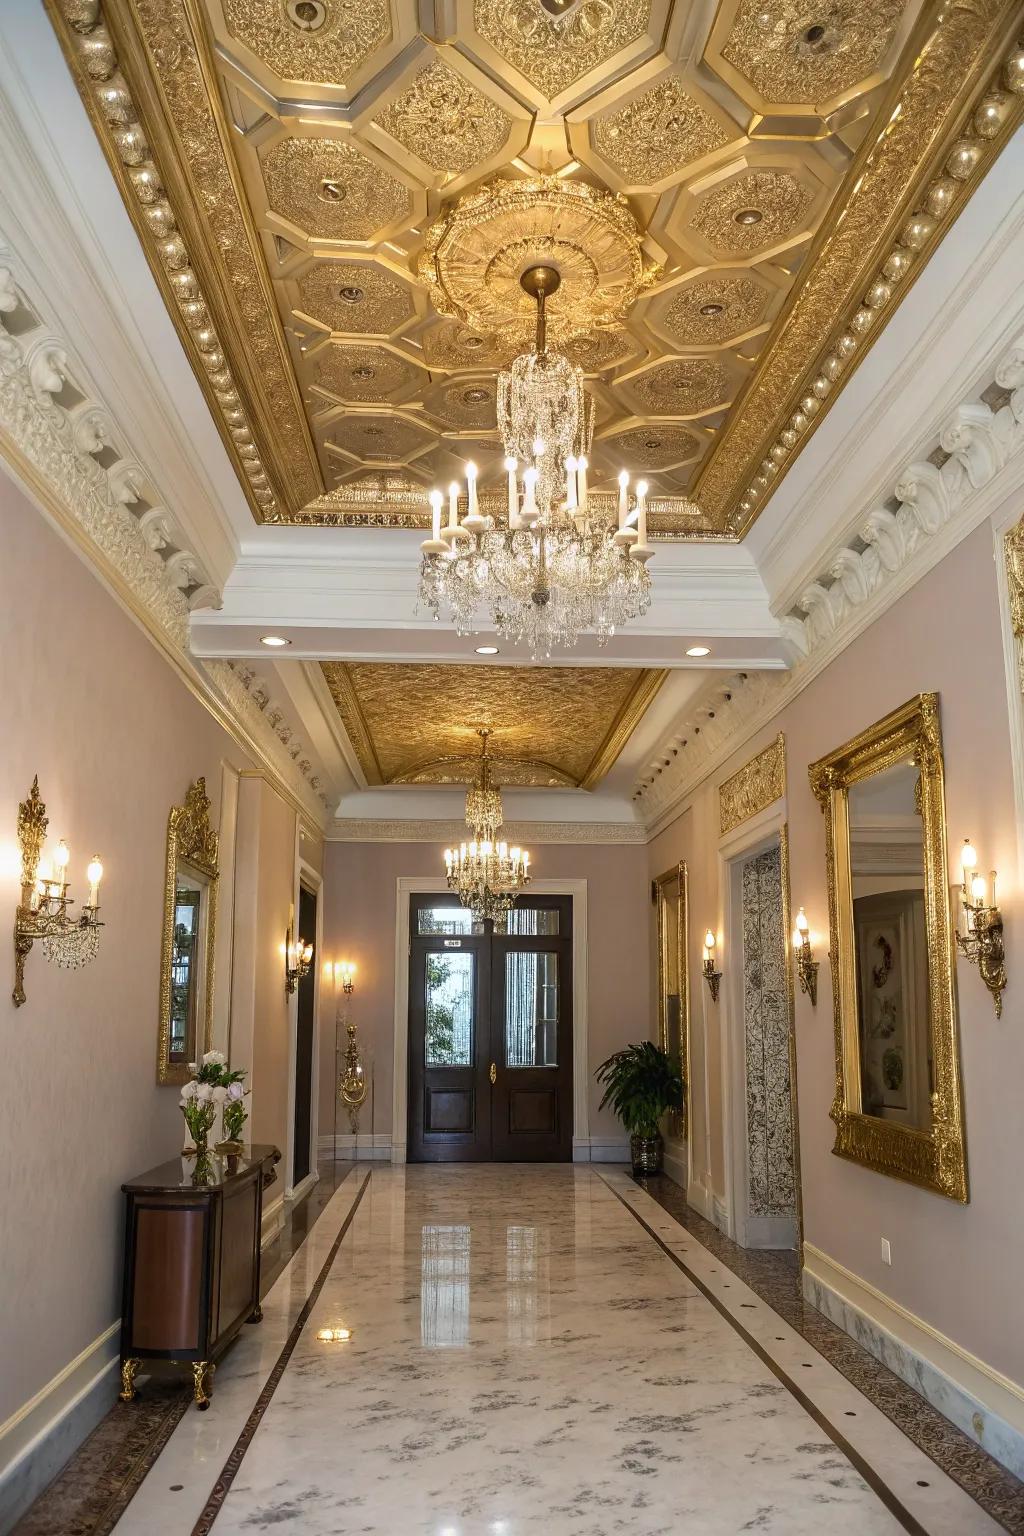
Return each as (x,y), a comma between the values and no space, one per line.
(551,565)
(485,872)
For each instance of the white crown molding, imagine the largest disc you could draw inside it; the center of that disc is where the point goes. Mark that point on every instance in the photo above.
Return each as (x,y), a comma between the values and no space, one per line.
(366,830)
(931,508)
(63,446)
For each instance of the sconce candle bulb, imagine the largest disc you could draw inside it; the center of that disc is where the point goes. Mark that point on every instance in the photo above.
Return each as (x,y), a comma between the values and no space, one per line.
(711,976)
(298,960)
(806,965)
(981,938)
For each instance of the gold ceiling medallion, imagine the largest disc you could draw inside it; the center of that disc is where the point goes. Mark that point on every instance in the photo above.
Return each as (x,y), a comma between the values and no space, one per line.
(475,255)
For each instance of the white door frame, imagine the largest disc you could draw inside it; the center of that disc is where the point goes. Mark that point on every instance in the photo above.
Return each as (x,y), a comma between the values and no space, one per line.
(422,885)
(755,836)
(313,880)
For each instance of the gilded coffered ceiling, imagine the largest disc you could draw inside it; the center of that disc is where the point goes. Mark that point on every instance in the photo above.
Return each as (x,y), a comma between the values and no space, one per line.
(338,196)
(417,723)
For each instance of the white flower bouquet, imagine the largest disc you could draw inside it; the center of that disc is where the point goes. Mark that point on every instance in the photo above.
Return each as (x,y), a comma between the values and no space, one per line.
(214,1089)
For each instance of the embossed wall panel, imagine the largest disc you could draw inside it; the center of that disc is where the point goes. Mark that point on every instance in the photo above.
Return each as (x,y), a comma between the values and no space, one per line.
(771,1189)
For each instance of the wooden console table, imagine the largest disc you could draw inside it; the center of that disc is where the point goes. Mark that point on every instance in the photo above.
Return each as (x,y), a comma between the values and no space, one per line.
(192,1262)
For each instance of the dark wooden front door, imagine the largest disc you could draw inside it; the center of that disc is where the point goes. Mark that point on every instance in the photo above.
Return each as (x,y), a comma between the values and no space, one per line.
(490,1033)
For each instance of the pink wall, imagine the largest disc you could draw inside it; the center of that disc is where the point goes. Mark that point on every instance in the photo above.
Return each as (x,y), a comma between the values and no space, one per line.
(359,924)
(944,1255)
(116,740)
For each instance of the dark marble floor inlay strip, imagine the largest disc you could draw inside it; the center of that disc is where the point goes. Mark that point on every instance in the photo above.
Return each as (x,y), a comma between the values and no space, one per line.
(867,1472)
(222,1486)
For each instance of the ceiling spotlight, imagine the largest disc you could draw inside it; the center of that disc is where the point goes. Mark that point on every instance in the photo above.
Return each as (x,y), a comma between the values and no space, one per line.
(273,640)
(699,650)
(487,650)
(748,216)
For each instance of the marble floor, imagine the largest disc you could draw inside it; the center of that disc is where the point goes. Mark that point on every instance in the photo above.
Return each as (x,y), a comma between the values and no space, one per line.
(533,1350)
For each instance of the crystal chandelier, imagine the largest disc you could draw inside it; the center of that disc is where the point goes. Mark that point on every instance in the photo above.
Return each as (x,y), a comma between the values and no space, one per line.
(553,563)
(485,872)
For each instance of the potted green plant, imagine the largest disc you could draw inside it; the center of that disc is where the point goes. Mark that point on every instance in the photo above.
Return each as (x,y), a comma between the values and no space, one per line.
(642,1083)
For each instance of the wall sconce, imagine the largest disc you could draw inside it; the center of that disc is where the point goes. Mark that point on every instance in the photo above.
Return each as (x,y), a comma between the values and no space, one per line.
(345,969)
(982,937)
(806,965)
(42,913)
(298,958)
(711,976)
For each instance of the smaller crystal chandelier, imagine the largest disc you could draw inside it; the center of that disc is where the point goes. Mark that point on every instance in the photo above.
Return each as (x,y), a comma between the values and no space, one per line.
(556,560)
(485,872)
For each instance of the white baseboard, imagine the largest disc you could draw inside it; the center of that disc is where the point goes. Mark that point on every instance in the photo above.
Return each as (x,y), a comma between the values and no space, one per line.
(273,1221)
(366,1147)
(699,1196)
(43,1433)
(720,1214)
(978,1399)
(677,1165)
(600,1149)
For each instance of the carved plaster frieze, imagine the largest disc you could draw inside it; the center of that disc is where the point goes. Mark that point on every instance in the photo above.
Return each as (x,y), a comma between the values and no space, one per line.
(346,829)
(252,702)
(906,531)
(63,443)
(76,451)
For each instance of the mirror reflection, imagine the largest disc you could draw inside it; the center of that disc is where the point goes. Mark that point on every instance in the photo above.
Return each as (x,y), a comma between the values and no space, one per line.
(187,949)
(188,962)
(890,945)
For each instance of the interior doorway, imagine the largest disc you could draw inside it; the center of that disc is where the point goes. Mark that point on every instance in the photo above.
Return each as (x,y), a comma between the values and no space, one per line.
(490,1033)
(305,1030)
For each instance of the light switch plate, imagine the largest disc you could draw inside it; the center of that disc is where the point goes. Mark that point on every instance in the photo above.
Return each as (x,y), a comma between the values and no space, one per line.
(886,1251)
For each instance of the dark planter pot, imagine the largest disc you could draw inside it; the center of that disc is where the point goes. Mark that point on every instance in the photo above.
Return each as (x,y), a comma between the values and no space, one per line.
(647,1153)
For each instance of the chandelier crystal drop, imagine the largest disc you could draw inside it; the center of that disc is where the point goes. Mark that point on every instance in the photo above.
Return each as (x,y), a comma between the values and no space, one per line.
(485,872)
(551,562)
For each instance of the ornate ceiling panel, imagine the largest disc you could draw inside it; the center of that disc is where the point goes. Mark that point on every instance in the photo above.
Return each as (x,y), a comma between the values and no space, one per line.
(417,723)
(778,174)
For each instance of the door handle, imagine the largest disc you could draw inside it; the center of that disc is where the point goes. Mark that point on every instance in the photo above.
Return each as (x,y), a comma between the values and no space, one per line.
(494,1073)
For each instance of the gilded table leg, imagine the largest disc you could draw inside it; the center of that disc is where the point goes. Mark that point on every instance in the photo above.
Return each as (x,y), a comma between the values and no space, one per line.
(128,1370)
(202,1378)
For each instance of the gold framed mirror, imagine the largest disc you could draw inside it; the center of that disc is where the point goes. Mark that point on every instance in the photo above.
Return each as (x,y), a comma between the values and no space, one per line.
(670,895)
(898,1105)
(190,927)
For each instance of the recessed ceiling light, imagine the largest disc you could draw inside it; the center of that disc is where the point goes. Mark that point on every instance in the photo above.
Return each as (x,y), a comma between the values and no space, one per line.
(274,640)
(699,650)
(487,650)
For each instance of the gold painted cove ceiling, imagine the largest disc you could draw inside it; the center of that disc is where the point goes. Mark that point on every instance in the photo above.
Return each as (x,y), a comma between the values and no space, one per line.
(789,165)
(416,723)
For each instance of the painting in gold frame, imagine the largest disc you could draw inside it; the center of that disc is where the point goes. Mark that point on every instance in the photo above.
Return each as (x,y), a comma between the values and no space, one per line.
(191,878)
(932,1155)
(671,898)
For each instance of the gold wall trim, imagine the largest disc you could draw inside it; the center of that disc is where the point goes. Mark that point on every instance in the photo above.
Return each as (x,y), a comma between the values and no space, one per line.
(938,132)
(757,784)
(935,1158)
(677,877)
(190,837)
(623,726)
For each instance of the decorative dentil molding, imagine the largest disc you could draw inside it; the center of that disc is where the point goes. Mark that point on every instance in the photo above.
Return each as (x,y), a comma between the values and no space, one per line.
(975,444)
(61,429)
(356,830)
(56,421)
(251,699)
(757,784)
(934,502)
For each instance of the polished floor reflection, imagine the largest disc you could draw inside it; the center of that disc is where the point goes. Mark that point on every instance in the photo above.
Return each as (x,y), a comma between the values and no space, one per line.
(532,1354)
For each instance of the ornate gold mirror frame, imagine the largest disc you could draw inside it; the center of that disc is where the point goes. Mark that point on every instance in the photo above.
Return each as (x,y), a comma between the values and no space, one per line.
(934,1157)
(191,841)
(670,890)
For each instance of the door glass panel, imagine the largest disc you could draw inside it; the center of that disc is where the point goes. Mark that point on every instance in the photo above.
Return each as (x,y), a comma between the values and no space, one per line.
(449,1009)
(531,920)
(444,920)
(531,1010)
